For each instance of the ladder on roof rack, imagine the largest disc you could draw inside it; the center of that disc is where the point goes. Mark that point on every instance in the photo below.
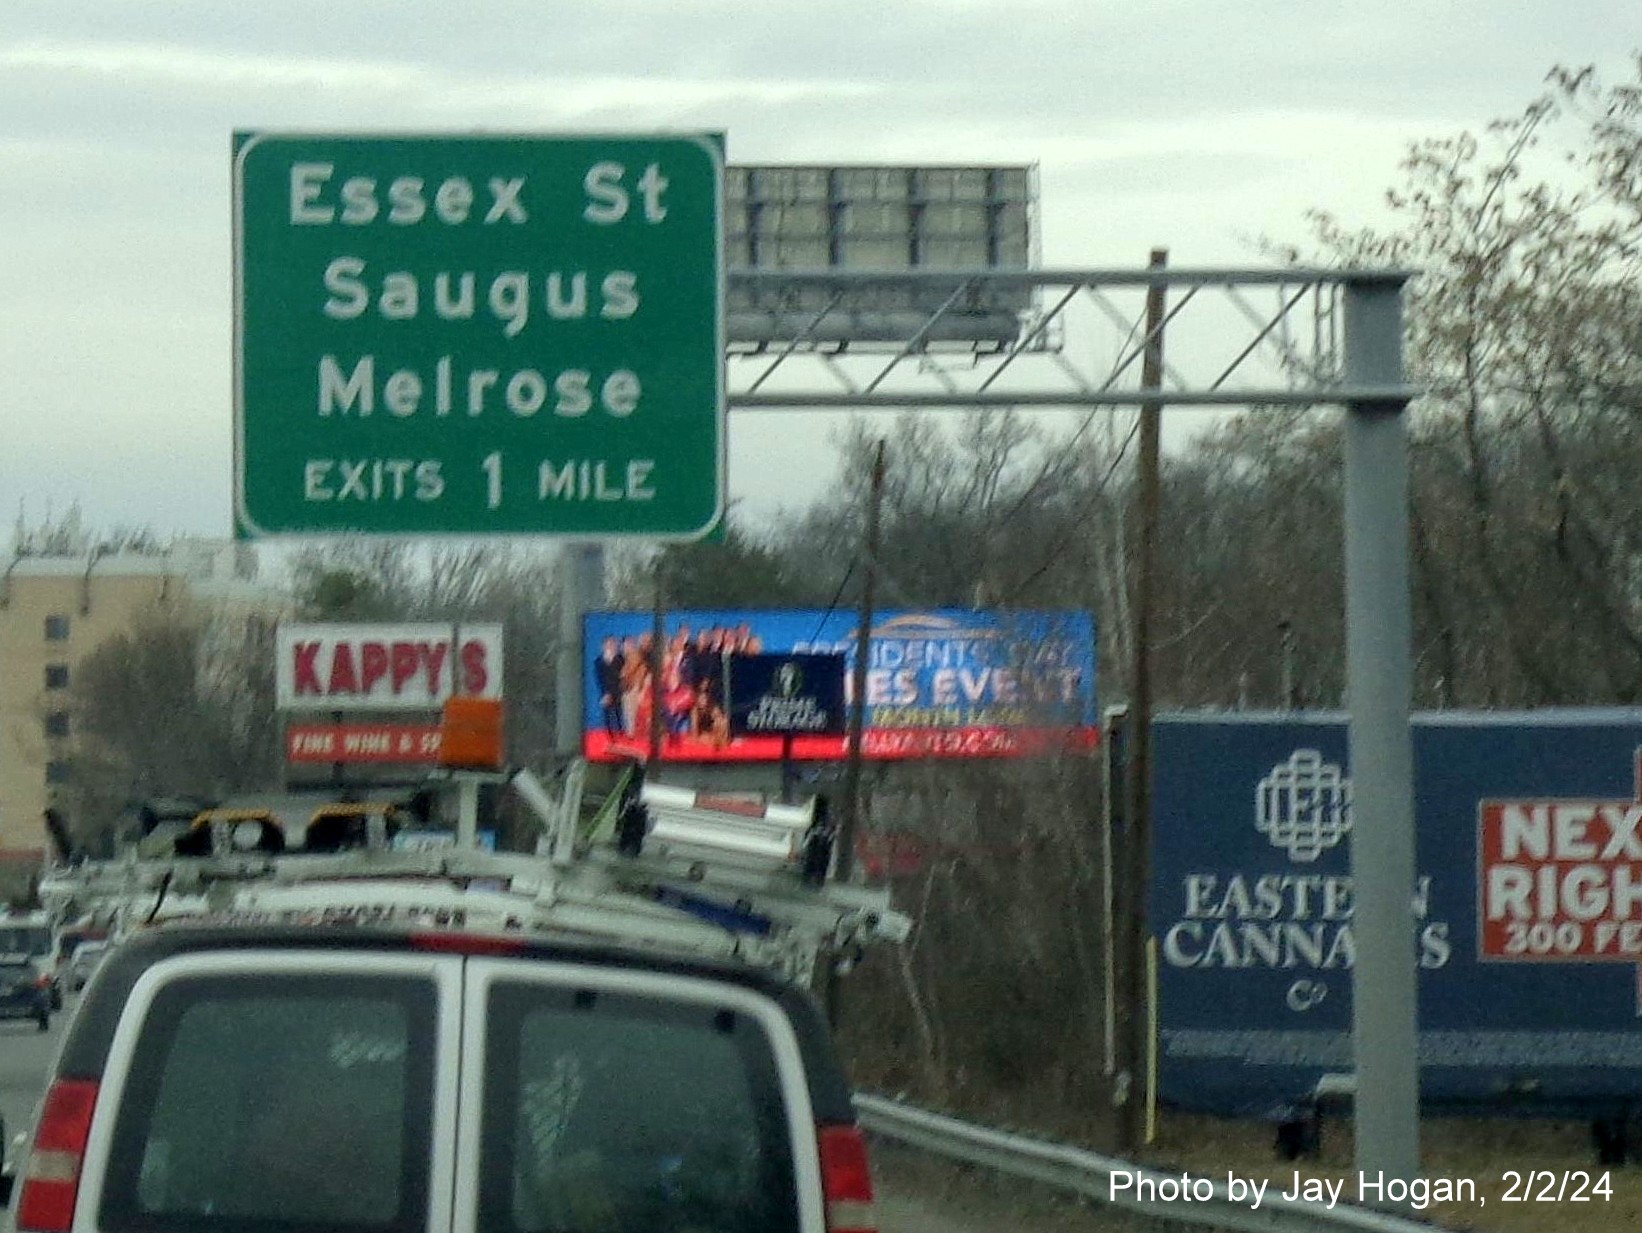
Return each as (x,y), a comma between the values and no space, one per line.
(657,867)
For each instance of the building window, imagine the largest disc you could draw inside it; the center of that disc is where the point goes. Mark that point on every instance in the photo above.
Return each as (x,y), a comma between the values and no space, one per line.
(57,628)
(56,676)
(57,723)
(57,772)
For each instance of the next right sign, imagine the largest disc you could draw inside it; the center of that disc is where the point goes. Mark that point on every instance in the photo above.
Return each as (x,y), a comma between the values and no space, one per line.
(1561,879)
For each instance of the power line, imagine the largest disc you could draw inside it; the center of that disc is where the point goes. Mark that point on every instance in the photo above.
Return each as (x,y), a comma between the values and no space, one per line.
(1059,544)
(836,596)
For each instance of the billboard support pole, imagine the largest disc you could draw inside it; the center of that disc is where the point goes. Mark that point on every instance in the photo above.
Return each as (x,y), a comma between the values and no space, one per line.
(581,590)
(787,775)
(467,812)
(338,770)
(658,665)
(1385,1033)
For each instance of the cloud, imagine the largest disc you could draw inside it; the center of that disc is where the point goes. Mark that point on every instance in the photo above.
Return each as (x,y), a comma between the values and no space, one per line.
(154,64)
(1169,122)
(202,70)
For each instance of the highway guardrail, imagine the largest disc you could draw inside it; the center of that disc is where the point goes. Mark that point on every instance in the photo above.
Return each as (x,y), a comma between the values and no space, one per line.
(1117,1183)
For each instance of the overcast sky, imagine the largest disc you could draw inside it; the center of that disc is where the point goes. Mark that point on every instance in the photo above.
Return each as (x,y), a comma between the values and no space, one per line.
(1192,124)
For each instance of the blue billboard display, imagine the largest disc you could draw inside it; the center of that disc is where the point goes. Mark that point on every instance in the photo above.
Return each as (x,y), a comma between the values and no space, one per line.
(940,683)
(1528,902)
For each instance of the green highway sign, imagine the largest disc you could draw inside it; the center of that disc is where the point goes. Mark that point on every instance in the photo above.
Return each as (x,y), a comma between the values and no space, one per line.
(478,335)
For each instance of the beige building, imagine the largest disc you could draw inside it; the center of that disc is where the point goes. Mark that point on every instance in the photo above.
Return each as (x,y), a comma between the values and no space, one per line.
(54,611)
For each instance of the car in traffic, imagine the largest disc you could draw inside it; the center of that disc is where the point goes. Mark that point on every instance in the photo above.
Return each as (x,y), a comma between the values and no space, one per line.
(232,1075)
(70,936)
(87,958)
(31,934)
(25,990)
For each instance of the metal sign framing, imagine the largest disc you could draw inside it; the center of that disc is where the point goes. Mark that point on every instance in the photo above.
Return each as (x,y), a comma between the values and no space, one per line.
(1277,341)
(1329,337)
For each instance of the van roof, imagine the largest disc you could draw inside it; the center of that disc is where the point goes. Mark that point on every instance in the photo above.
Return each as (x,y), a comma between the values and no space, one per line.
(91,1033)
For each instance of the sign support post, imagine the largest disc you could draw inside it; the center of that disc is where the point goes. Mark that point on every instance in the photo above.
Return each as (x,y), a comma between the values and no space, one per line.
(581,590)
(1379,670)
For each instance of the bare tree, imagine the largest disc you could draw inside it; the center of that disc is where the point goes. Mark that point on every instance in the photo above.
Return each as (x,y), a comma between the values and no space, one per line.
(1524,324)
(180,704)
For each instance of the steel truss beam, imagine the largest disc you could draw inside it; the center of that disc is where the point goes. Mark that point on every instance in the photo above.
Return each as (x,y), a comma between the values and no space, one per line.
(1267,337)
(1330,336)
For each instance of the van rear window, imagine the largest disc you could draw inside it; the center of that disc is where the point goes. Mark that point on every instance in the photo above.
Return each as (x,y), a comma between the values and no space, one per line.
(614,1111)
(271,1102)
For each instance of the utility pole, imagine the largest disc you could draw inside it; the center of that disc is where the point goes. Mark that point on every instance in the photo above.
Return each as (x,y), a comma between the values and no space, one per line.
(849,823)
(1134,949)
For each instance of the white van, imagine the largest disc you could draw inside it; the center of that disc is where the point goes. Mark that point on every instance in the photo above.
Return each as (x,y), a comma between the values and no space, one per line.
(273,1079)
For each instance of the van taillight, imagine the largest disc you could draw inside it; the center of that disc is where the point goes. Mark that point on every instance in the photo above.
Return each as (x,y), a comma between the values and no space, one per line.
(51,1178)
(846,1180)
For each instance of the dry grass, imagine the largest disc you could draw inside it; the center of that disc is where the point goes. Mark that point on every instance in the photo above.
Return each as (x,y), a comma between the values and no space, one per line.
(1480,1150)
(957,1198)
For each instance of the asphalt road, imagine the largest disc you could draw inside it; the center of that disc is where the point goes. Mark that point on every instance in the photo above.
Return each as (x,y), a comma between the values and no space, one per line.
(25,1057)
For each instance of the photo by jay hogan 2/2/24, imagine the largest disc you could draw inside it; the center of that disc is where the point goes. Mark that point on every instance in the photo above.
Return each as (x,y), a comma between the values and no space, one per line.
(1372,1189)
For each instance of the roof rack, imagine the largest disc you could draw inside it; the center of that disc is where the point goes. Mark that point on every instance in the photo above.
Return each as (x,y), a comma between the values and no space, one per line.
(655,867)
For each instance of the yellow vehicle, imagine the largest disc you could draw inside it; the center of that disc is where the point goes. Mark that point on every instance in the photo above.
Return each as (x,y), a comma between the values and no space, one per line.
(332,827)
(353,824)
(233,830)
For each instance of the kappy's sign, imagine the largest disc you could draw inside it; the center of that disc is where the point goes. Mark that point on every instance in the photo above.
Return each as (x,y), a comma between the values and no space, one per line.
(400,743)
(416,667)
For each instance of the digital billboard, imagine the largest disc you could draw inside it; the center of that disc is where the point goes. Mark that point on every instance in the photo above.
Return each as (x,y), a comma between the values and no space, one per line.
(1527,903)
(941,683)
